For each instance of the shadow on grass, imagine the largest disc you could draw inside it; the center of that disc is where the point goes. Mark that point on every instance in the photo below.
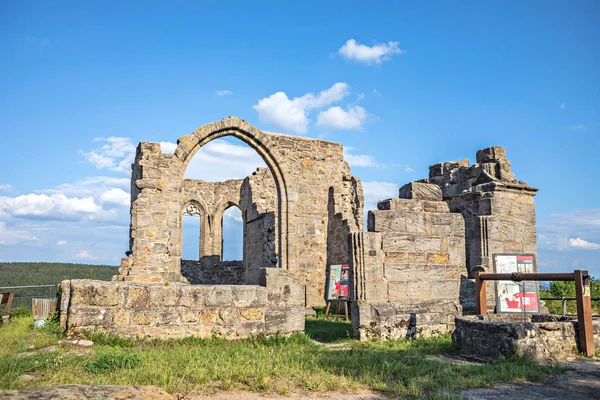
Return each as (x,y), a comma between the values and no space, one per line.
(414,369)
(332,330)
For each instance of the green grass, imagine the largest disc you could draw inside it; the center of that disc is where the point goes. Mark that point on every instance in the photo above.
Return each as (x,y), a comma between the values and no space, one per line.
(276,364)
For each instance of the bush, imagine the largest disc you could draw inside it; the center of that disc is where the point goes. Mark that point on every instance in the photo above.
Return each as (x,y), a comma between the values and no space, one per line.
(21,314)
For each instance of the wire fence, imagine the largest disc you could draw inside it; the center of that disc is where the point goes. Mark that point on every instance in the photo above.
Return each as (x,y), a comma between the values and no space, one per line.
(24,294)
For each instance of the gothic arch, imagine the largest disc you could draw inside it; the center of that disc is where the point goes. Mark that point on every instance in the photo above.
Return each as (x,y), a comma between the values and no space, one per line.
(188,145)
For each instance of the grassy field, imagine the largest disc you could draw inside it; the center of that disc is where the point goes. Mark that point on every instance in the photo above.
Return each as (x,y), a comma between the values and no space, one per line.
(277,364)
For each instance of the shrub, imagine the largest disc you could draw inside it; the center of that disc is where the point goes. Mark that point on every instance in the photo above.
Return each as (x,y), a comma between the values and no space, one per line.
(21,314)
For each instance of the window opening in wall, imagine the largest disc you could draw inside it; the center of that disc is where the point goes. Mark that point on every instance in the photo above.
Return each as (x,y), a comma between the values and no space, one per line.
(233,234)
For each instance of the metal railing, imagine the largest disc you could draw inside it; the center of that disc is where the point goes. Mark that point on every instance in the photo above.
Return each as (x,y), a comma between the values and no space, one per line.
(564,301)
(24,294)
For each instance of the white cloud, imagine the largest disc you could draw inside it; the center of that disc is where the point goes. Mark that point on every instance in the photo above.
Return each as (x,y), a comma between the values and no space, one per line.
(11,236)
(578,127)
(376,92)
(168,147)
(292,114)
(376,54)
(223,92)
(6,188)
(116,154)
(360,160)
(337,118)
(56,206)
(85,255)
(409,170)
(220,160)
(563,105)
(115,196)
(583,244)
(376,191)
(61,242)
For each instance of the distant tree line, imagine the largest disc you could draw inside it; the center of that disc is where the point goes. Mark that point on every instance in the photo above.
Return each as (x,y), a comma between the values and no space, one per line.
(560,289)
(46,273)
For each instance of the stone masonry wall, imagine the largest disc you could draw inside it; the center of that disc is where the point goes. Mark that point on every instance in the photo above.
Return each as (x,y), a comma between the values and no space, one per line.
(499,211)
(303,169)
(407,269)
(259,204)
(178,310)
(541,337)
(221,273)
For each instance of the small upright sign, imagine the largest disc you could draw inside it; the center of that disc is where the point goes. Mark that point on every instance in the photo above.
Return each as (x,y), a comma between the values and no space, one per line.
(337,288)
(516,296)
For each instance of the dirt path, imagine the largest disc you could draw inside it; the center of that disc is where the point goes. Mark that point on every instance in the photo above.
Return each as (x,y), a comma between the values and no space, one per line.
(581,383)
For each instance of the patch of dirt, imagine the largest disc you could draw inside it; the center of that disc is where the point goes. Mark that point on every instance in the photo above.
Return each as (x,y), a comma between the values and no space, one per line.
(583,382)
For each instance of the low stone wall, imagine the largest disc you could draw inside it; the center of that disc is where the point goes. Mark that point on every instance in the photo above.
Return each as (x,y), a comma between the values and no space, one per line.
(404,321)
(178,310)
(541,337)
(221,273)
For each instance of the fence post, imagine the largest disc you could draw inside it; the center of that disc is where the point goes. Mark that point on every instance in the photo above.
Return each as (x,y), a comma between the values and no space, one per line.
(564,306)
(480,294)
(584,313)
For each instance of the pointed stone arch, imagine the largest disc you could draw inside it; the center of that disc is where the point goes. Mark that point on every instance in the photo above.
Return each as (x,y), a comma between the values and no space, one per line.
(188,145)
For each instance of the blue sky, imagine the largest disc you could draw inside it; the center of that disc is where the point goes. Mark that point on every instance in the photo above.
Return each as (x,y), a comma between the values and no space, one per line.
(401,85)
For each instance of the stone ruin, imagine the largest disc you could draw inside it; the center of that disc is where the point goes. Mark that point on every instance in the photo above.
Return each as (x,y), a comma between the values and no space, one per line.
(410,273)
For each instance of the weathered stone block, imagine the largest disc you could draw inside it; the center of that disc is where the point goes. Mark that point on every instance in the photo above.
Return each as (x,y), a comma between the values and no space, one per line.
(491,154)
(284,319)
(221,296)
(420,191)
(98,294)
(137,297)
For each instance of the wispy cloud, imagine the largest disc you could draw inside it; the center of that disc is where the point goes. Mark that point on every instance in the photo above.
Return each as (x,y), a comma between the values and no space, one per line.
(116,154)
(376,54)
(563,105)
(9,236)
(578,127)
(85,255)
(6,188)
(223,92)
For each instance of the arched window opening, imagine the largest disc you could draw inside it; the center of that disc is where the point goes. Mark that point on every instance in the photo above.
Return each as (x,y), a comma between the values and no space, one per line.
(191,237)
(233,234)
(226,172)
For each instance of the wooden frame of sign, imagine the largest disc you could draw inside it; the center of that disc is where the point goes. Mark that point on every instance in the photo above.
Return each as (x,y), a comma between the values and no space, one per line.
(345,301)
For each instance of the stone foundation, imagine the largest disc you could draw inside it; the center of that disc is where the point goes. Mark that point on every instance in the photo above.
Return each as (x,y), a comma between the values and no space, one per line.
(177,310)
(404,321)
(541,337)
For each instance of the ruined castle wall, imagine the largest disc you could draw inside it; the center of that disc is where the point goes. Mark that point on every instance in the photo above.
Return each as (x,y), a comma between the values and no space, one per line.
(408,267)
(134,309)
(410,273)
(303,169)
(259,204)
(499,212)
